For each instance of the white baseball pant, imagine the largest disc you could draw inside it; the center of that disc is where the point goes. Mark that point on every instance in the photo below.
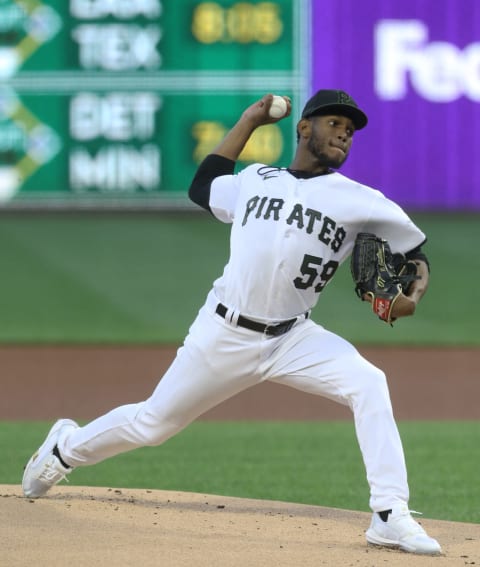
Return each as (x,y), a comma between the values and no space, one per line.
(218,360)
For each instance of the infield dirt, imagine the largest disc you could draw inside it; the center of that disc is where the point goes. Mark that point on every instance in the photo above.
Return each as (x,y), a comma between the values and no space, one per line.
(99,526)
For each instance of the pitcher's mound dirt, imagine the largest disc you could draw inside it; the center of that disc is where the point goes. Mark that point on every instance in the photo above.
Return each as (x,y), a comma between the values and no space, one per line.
(82,527)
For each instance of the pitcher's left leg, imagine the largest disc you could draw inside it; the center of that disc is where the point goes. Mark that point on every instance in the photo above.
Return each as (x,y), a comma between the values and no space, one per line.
(319,362)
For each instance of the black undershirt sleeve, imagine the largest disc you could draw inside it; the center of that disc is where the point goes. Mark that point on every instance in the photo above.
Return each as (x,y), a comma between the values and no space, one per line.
(418,254)
(211,167)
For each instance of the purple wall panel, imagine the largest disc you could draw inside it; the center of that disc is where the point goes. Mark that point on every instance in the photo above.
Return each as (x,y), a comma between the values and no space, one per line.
(414,68)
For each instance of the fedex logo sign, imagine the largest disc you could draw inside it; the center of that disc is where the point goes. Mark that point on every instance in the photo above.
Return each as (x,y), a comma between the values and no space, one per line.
(437,71)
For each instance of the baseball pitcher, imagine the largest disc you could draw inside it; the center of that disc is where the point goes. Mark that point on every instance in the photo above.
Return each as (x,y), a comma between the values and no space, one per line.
(291,228)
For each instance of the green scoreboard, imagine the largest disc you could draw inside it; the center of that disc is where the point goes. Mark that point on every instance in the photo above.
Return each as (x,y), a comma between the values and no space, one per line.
(115,102)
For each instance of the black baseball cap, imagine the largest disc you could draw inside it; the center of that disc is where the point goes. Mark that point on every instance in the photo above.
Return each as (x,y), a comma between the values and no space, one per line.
(328,101)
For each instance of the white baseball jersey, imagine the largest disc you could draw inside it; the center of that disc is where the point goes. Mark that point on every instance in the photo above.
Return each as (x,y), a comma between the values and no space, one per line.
(289,236)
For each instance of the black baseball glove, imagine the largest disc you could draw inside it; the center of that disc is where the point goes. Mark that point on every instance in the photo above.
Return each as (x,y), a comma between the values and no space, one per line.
(380,275)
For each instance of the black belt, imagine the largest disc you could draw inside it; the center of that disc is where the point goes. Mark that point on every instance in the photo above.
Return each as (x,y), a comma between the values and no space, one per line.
(272,330)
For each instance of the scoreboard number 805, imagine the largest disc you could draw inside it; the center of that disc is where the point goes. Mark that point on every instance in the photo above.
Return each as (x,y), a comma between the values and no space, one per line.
(243,22)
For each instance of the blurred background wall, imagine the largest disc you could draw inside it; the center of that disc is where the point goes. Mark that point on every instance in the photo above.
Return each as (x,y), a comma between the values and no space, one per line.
(114,103)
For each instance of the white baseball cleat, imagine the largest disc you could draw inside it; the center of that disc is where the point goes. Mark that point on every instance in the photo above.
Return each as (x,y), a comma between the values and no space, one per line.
(401,531)
(44,469)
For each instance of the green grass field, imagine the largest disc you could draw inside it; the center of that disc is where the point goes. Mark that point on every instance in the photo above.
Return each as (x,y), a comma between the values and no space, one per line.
(141,278)
(306,462)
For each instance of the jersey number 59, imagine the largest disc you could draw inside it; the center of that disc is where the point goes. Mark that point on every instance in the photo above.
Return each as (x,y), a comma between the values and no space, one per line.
(313,270)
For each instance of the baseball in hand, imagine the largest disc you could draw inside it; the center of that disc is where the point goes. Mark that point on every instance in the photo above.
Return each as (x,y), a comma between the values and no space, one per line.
(278,108)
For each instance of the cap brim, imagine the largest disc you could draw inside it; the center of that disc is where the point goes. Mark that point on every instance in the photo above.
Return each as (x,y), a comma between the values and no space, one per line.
(358,117)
